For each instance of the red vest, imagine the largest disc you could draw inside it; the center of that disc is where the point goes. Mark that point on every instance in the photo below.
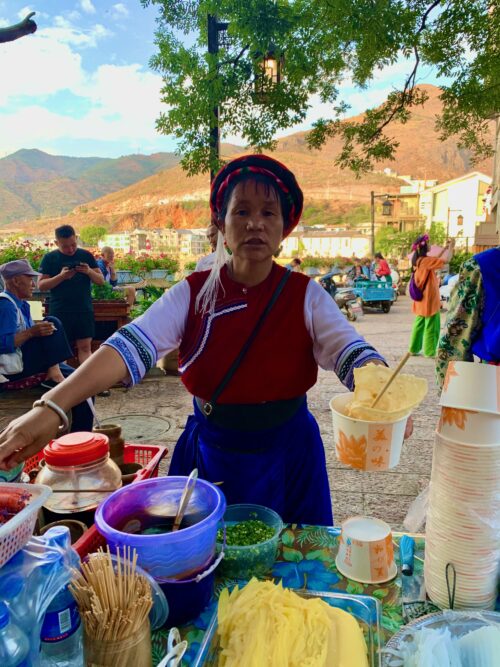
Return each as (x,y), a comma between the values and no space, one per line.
(279,364)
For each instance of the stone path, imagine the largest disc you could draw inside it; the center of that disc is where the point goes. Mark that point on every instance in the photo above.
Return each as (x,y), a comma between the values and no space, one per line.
(386,495)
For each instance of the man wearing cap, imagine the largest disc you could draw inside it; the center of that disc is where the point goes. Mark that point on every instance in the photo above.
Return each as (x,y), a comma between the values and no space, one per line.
(32,354)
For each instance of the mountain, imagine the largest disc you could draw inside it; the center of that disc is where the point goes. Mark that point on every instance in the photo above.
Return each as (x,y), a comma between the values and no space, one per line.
(420,153)
(170,197)
(35,184)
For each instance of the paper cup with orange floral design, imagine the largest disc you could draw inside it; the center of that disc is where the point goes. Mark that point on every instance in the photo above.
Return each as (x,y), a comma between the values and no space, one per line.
(365,445)
(469,427)
(472,386)
(366,552)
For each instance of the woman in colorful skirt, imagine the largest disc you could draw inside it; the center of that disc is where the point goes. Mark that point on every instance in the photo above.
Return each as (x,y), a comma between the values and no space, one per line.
(427,323)
(472,326)
(251,430)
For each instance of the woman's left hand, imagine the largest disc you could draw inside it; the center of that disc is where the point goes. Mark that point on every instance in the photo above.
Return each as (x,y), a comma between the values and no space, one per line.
(409,427)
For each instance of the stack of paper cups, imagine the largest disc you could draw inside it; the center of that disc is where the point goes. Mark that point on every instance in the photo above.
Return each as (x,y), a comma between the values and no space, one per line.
(463,520)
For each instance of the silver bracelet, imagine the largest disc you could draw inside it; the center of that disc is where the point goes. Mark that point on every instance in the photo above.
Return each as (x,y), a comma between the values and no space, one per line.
(46,403)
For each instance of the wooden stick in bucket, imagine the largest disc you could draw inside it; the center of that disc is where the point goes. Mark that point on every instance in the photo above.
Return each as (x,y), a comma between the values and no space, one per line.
(391,379)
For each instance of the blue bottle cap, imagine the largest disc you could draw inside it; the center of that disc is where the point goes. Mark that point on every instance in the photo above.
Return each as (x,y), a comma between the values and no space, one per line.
(4,615)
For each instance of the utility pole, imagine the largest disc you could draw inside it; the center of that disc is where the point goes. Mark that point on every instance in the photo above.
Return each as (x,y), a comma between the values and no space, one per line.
(372,209)
(213,49)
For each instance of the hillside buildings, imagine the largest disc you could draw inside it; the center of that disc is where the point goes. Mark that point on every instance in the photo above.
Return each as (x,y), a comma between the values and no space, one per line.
(465,207)
(461,206)
(183,242)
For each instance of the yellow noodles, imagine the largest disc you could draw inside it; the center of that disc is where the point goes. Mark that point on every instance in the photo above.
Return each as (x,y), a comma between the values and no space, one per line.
(404,394)
(266,625)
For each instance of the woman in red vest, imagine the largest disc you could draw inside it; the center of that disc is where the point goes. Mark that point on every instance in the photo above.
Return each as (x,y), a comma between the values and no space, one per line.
(251,336)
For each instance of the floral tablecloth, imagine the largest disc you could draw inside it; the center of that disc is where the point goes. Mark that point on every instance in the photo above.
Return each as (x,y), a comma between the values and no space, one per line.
(306,560)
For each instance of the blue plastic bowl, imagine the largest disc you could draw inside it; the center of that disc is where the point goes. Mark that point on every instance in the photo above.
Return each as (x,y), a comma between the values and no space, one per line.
(165,555)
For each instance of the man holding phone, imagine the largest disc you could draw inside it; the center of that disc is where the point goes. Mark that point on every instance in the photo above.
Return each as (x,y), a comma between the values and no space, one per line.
(68,273)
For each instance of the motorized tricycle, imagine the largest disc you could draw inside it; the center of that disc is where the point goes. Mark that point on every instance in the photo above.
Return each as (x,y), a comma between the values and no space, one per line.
(374,294)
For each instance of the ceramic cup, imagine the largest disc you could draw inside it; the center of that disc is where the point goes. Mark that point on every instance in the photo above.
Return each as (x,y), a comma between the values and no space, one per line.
(365,445)
(365,551)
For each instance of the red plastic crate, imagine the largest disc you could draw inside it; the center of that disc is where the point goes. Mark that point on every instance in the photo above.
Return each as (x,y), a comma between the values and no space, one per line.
(148,456)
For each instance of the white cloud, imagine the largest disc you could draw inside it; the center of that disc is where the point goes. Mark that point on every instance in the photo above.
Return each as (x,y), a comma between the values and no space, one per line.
(4,23)
(87,6)
(120,10)
(41,65)
(120,103)
(65,33)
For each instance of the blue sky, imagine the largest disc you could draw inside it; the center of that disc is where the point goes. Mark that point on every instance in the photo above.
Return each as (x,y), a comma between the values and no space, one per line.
(81,85)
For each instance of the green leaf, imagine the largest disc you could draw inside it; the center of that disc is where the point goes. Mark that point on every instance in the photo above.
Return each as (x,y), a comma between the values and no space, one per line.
(355,588)
(292,555)
(319,554)
(380,593)
(287,538)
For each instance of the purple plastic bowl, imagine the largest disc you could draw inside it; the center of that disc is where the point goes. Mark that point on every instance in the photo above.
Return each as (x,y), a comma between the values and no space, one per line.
(187,598)
(166,555)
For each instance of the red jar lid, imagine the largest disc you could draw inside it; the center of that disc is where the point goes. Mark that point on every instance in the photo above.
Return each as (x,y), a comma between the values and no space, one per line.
(76,448)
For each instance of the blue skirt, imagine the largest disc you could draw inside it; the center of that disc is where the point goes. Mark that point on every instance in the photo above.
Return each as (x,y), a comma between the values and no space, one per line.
(283,468)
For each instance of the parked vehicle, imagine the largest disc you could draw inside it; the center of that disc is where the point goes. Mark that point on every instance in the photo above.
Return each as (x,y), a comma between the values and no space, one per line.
(345,297)
(349,303)
(374,294)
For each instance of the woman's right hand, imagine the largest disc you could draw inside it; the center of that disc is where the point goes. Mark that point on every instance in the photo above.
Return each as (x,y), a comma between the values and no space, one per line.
(27,435)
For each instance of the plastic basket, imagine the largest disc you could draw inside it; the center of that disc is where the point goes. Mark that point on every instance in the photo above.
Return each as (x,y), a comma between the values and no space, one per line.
(149,456)
(18,531)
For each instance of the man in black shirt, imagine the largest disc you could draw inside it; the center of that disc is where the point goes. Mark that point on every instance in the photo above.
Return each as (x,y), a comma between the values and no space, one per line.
(68,273)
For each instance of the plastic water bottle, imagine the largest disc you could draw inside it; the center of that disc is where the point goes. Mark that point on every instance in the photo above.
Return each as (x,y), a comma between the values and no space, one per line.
(14,644)
(61,635)
(20,608)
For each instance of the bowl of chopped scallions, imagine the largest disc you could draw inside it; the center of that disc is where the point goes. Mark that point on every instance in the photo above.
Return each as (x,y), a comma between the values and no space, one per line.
(251,540)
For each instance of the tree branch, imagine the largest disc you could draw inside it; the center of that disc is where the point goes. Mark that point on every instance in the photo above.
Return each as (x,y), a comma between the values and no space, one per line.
(234,61)
(407,93)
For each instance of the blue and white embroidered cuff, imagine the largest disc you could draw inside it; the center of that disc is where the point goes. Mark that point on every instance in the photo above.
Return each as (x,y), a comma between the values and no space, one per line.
(353,356)
(135,348)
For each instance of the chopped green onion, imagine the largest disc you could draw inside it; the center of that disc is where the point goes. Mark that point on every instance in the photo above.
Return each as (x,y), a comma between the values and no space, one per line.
(246,533)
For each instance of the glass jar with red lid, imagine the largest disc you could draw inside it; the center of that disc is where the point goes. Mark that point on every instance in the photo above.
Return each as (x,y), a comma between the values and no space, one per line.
(79,463)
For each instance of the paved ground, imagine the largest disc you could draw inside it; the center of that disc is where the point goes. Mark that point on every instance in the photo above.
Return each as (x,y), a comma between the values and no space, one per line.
(386,495)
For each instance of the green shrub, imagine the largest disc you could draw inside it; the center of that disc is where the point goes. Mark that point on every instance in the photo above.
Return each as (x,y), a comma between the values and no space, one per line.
(24,250)
(151,294)
(106,293)
(139,265)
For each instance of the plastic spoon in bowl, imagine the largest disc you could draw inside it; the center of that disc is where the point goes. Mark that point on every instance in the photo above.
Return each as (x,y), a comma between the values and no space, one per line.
(186,495)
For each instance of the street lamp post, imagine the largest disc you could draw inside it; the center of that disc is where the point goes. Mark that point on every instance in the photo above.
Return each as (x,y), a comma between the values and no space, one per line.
(372,210)
(214,27)
(271,67)
(386,210)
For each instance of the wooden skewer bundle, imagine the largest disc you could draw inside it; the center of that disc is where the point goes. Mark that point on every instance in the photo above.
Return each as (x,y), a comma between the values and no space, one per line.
(114,603)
